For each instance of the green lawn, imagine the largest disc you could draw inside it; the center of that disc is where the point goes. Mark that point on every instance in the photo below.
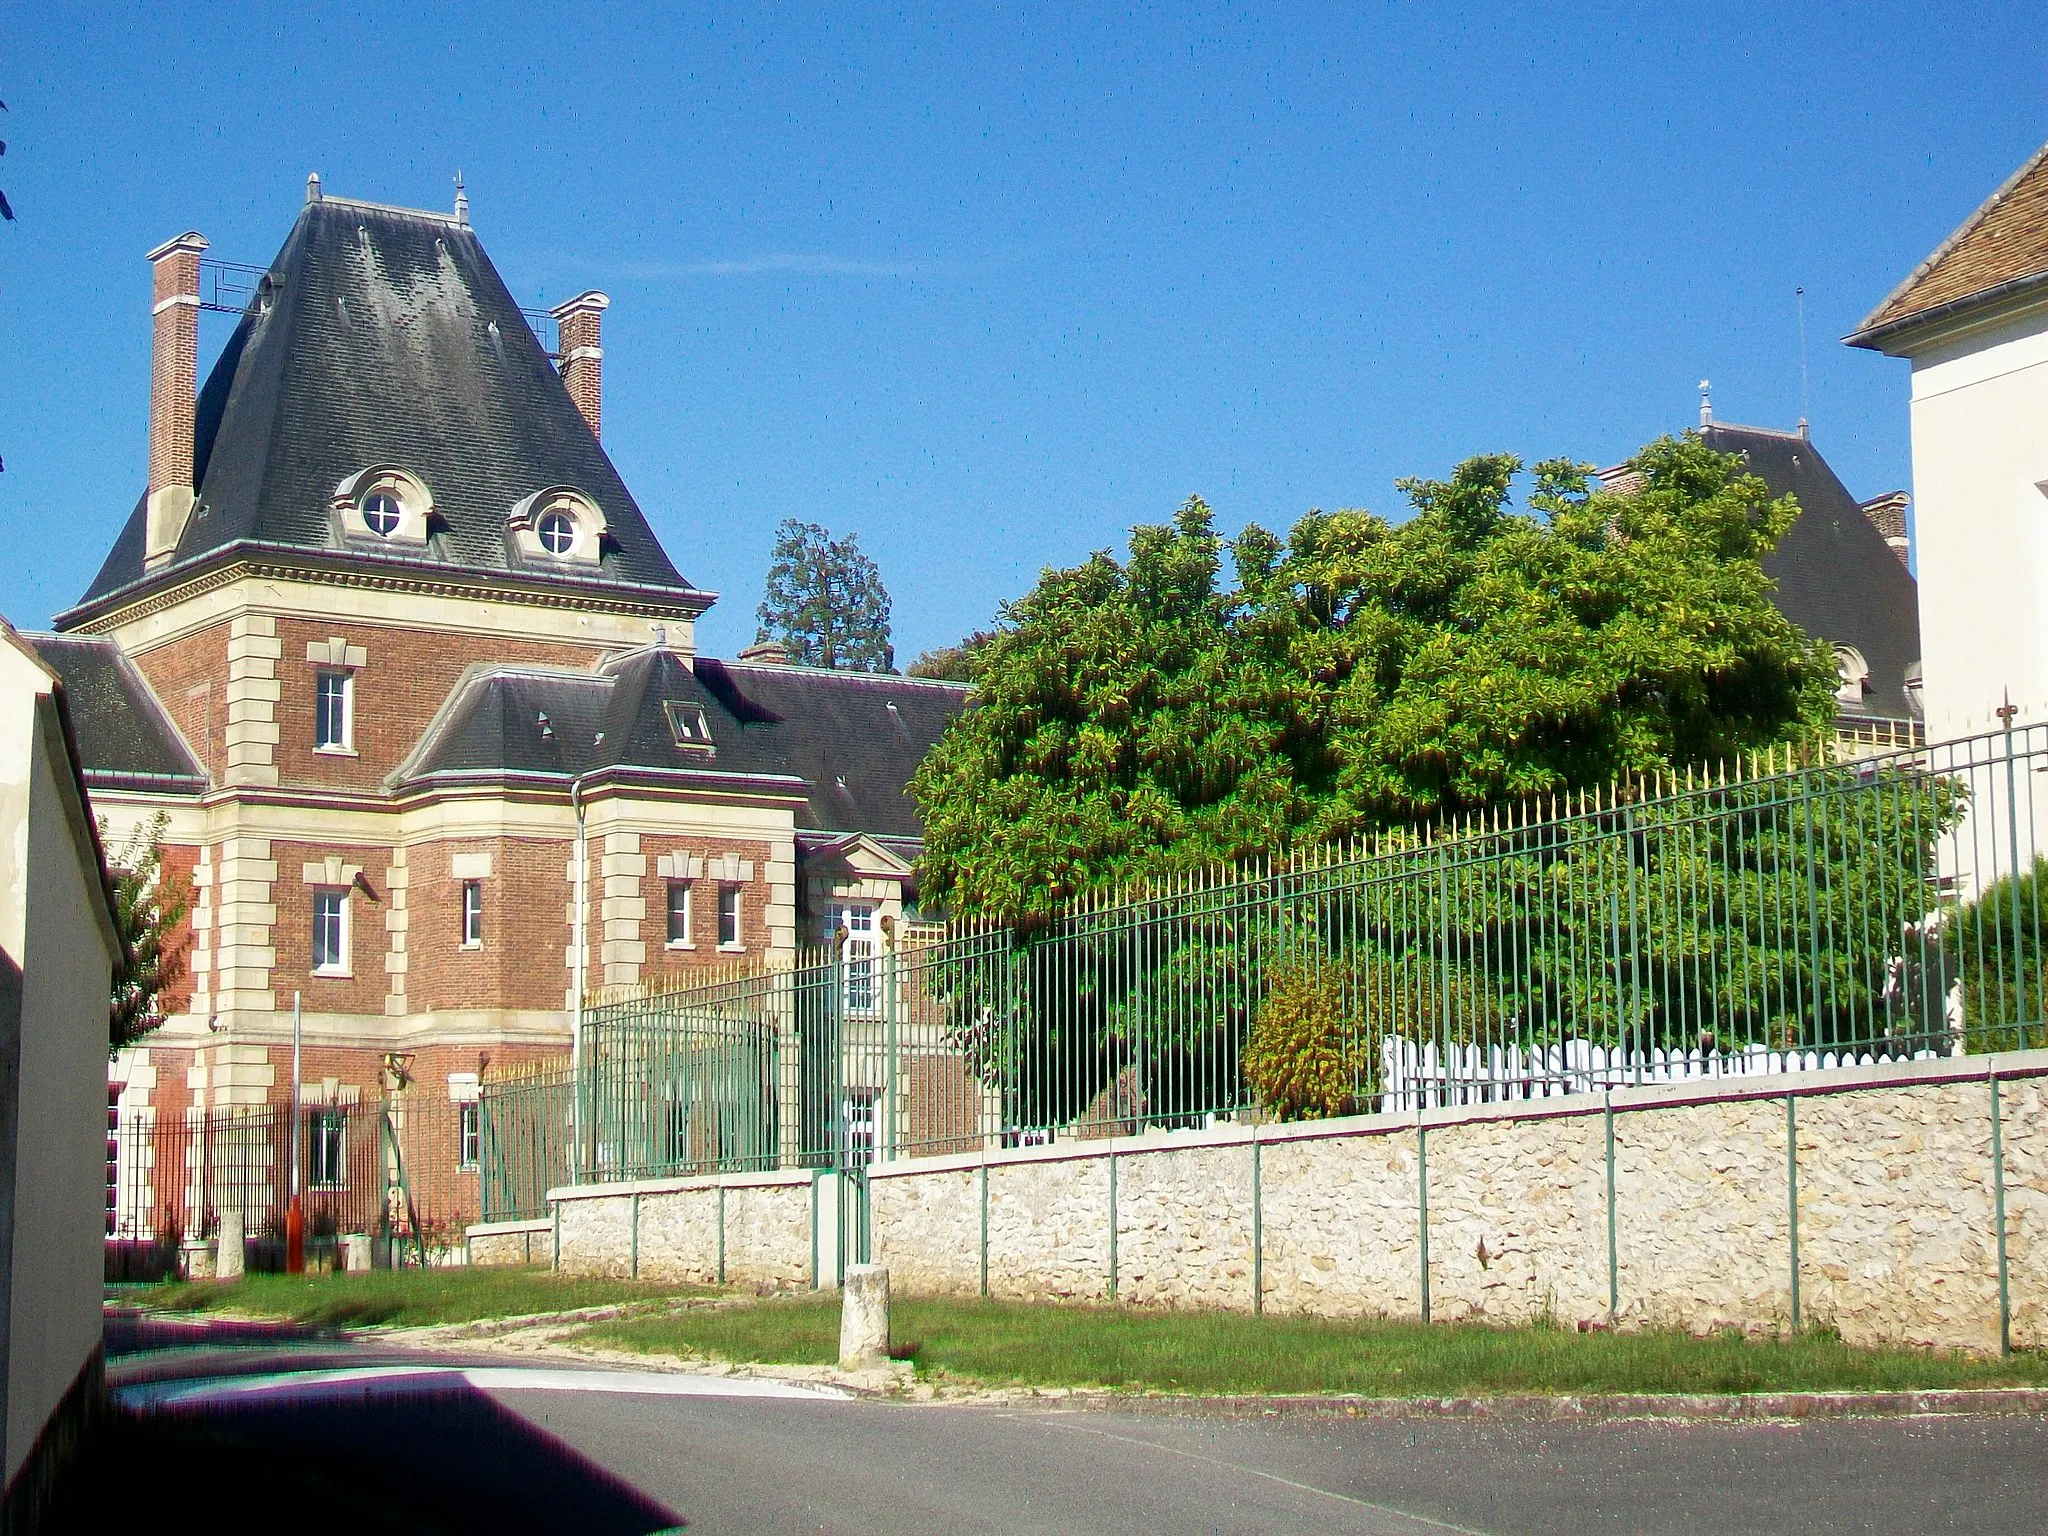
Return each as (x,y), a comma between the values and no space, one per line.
(1213,1352)
(403,1297)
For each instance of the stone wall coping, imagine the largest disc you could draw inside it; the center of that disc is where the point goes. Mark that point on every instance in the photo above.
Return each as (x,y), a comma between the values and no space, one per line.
(509,1228)
(2004,1065)
(772,1178)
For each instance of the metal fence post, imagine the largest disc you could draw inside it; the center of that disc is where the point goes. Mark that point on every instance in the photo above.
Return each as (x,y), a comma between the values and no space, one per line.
(1422,1205)
(1112,1218)
(1792,1196)
(1258,1232)
(1998,1204)
(1613,1248)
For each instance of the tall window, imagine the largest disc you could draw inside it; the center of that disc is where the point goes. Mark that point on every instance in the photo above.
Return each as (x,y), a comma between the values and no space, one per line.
(467,1124)
(858,919)
(472,914)
(333,707)
(326,1148)
(679,913)
(728,917)
(330,932)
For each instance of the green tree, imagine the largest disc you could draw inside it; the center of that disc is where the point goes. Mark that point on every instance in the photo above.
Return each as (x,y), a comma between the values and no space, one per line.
(825,601)
(952,663)
(151,903)
(1136,718)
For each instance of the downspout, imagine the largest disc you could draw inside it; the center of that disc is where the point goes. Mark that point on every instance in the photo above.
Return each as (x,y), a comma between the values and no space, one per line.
(576,983)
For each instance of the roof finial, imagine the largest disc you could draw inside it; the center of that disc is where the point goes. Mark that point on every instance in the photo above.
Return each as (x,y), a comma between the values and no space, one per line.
(1706,404)
(312,186)
(461,202)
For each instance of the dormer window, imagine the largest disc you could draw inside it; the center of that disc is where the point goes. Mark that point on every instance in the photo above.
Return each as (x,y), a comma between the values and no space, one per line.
(557,527)
(383,512)
(1852,675)
(383,505)
(686,722)
(557,533)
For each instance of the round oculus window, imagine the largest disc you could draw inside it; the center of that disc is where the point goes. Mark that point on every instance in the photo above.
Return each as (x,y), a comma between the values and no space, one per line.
(557,533)
(383,512)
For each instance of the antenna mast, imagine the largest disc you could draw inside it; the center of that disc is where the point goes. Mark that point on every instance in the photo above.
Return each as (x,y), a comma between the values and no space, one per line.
(1805,399)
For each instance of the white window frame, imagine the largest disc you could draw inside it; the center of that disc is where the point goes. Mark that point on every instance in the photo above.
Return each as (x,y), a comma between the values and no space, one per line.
(325,1155)
(686,888)
(338,964)
(472,914)
(729,908)
(469,1132)
(346,746)
(861,985)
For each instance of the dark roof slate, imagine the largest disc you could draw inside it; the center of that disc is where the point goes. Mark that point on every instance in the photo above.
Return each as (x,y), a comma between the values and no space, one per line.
(124,737)
(852,739)
(1836,576)
(388,338)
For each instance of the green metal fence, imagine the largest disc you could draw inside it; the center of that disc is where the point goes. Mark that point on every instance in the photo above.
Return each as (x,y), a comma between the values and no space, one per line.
(523,1138)
(1794,916)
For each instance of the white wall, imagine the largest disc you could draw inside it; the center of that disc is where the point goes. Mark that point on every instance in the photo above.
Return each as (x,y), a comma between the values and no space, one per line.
(58,939)
(1980,457)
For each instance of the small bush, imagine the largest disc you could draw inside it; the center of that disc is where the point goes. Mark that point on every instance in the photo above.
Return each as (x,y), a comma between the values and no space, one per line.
(1301,1059)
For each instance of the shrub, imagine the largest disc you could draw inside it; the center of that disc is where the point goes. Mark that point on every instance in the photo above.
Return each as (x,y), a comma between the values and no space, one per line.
(1301,1059)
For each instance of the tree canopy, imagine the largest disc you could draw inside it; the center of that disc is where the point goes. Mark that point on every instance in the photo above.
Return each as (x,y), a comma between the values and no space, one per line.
(825,601)
(1139,716)
(151,904)
(951,663)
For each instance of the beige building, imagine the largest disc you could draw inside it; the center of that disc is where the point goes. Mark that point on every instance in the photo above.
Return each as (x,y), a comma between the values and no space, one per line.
(59,941)
(397,651)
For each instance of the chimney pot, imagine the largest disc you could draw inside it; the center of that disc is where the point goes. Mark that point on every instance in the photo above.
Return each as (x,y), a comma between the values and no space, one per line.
(312,186)
(173,386)
(581,322)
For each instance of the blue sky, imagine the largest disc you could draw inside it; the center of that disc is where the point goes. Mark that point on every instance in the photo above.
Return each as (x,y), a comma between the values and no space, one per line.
(990,285)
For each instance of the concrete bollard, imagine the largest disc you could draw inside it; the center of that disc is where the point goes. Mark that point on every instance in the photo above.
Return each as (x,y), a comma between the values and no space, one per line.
(355,1253)
(227,1259)
(864,1317)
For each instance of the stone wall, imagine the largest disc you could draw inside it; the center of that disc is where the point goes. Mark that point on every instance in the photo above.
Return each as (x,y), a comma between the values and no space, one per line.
(1896,1233)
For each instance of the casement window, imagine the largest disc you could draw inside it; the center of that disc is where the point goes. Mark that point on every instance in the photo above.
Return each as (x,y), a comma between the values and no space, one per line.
(472,914)
(857,920)
(679,914)
(729,917)
(326,1149)
(468,1133)
(334,711)
(330,933)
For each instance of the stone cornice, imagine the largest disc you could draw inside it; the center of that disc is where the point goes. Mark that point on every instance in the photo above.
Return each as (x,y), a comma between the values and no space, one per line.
(156,593)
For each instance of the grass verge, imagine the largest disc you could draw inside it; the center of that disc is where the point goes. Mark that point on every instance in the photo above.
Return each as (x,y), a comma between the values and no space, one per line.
(1209,1352)
(402,1297)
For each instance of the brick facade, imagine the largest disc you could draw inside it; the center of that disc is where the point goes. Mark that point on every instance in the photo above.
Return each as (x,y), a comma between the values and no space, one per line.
(189,678)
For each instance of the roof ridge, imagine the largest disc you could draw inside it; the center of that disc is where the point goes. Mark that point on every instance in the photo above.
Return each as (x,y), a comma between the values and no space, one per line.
(1793,435)
(1961,232)
(775,668)
(435,214)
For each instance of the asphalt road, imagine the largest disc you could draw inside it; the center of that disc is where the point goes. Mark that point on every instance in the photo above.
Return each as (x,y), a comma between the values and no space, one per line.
(384,1442)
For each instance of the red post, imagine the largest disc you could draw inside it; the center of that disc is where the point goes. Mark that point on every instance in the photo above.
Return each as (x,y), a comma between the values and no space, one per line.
(294,1238)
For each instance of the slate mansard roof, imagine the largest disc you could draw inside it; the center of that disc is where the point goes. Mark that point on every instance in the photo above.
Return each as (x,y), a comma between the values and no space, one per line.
(385,337)
(125,740)
(1837,578)
(848,742)
(2000,252)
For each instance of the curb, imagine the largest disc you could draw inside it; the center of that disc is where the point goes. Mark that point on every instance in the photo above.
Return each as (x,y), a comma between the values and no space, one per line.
(1539,1408)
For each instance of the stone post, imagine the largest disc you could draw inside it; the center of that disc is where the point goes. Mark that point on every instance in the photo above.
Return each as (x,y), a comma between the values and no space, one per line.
(227,1259)
(355,1253)
(864,1318)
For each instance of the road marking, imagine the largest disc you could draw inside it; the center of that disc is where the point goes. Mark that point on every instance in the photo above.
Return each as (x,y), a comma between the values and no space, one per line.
(1422,1521)
(482,1378)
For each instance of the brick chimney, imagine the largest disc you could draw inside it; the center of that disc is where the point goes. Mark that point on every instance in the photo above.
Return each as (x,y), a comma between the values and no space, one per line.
(173,386)
(582,361)
(1887,513)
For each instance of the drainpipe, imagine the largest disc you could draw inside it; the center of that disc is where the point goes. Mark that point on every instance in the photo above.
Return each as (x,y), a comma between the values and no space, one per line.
(576,981)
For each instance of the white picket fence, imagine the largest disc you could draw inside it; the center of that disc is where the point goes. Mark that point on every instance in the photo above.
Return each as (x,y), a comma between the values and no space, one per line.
(1419,1075)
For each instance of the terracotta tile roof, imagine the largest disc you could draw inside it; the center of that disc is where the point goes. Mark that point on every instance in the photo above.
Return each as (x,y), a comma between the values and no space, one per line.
(2002,243)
